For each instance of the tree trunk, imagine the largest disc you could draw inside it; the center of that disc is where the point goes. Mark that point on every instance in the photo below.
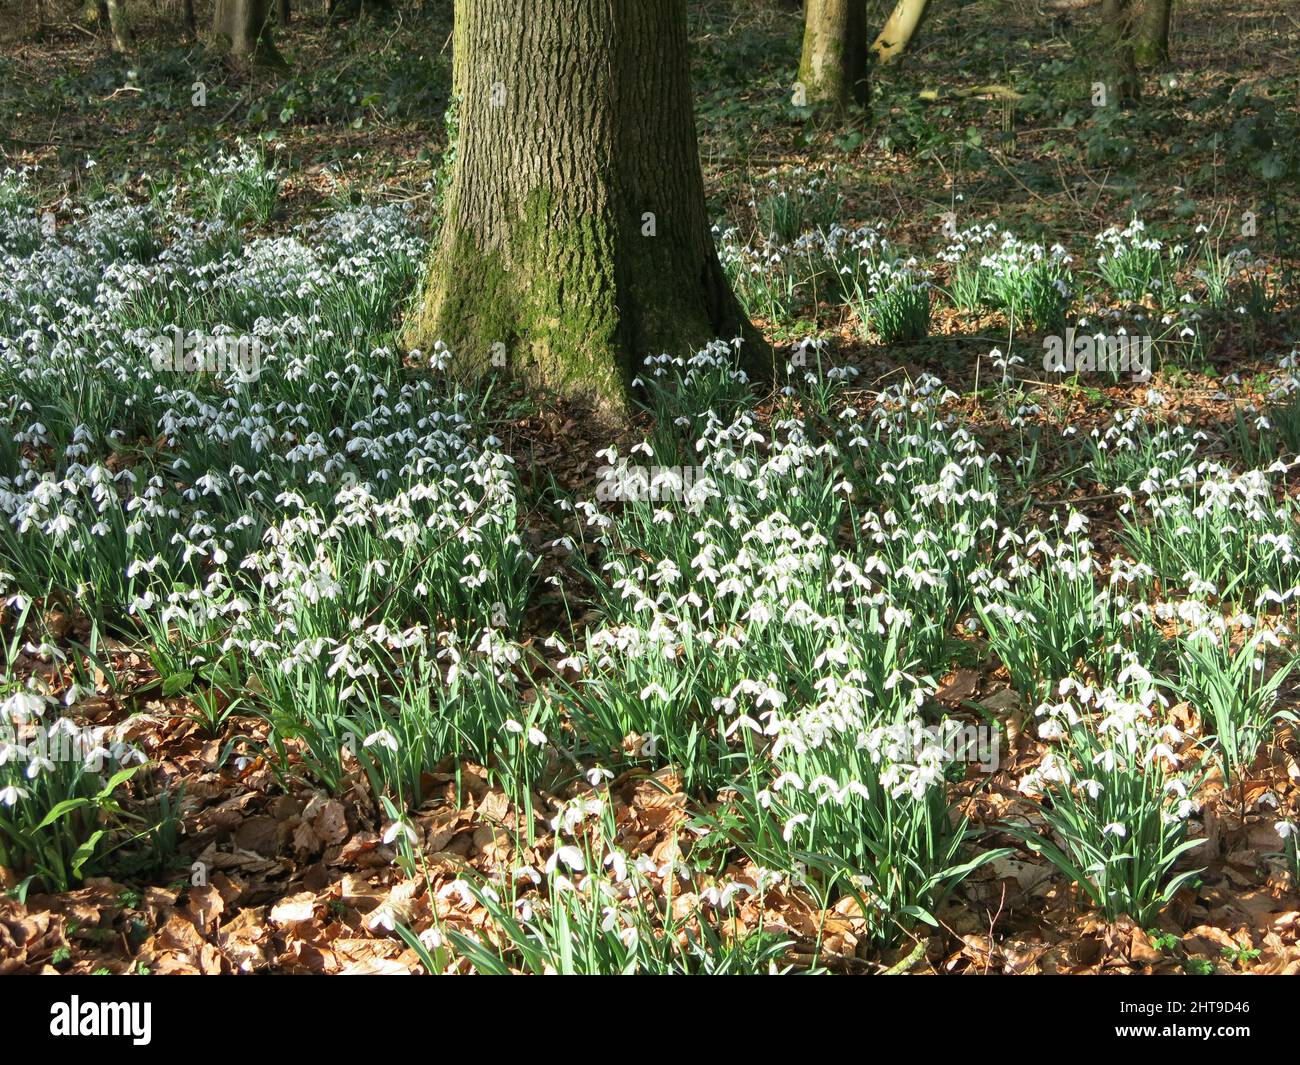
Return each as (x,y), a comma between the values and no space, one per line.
(833,68)
(1151,34)
(575,241)
(283,12)
(118,27)
(899,29)
(1119,21)
(245,28)
(191,27)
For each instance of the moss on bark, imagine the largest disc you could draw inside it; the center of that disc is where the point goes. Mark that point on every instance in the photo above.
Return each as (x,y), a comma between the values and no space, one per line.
(833,63)
(1151,33)
(575,241)
(243,27)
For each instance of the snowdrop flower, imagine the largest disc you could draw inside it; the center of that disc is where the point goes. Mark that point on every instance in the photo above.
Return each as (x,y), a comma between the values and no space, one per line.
(787,833)
(403,830)
(1161,750)
(597,775)
(382,738)
(38,764)
(461,889)
(571,856)
(1077,523)
(22,706)
(617,863)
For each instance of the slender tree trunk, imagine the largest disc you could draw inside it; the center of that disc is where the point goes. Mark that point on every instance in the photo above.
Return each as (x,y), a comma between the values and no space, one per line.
(1119,23)
(283,12)
(575,241)
(119,28)
(191,27)
(899,29)
(833,68)
(1151,34)
(244,26)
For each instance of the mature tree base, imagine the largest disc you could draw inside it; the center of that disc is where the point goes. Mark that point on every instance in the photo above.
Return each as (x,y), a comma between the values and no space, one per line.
(1151,53)
(833,64)
(1118,30)
(575,241)
(1151,32)
(242,28)
(119,28)
(263,56)
(569,311)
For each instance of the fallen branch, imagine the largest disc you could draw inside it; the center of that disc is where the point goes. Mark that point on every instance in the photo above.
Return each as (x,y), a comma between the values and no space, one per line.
(1001,92)
(900,967)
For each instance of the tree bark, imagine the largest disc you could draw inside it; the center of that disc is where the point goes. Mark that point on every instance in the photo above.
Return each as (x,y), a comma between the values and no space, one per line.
(191,26)
(575,240)
(283,12)
(899,29)
(119,29)
(1119,23)
(244,26)
(833,68)
(1151,33)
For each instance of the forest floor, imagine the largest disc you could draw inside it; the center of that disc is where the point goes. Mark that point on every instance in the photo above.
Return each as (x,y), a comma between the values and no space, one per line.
(263,855)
